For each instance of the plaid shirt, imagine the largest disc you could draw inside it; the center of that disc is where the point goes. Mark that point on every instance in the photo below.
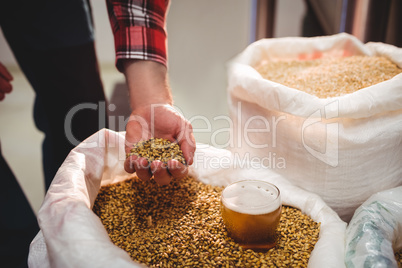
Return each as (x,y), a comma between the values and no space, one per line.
(139,29)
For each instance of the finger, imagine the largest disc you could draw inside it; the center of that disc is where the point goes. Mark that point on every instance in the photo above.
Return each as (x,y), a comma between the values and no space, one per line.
(177,169)
(136,130)
(129,164)
(2,95)
(161,174)
(187,146)
(142,169)
(5,85)
(5,73)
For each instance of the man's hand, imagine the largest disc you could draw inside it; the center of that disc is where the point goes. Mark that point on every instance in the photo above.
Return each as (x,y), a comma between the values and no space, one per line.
(160,121)
(5,79)
(154,116)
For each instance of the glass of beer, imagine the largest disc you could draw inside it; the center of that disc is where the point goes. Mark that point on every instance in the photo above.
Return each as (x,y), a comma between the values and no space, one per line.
(251,210)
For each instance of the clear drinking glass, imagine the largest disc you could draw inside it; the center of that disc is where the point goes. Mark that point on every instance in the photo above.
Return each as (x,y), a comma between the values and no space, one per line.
(251,211)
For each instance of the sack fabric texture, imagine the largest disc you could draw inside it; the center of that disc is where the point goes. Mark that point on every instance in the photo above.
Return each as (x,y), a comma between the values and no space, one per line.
(375,231)
(73,236)
(343,148)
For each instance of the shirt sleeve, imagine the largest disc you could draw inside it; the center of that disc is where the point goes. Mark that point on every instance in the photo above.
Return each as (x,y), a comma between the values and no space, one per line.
(139,29)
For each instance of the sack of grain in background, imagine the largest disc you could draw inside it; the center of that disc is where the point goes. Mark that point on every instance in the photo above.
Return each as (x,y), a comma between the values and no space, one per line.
(334,129)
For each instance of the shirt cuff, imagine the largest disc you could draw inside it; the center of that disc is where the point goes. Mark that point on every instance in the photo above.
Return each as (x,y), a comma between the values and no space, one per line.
(140,43)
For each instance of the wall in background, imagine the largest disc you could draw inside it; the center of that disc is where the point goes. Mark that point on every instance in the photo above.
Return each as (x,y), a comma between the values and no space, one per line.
(289,18)
(203,36)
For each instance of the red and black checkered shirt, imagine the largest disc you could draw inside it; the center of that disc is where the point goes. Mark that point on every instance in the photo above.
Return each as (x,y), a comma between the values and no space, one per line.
(139,29)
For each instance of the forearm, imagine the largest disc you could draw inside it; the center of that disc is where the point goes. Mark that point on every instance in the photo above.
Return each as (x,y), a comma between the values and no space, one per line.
(147,83)
(140,43)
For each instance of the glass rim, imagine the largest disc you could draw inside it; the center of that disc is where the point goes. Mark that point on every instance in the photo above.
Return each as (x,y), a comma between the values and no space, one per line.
(259,181)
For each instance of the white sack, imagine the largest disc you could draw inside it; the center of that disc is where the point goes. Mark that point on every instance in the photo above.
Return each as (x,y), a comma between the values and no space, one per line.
(220,167)
(375,231)
(343,148)
(73,236)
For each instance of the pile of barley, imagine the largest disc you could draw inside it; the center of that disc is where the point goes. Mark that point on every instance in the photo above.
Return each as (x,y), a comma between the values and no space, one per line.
(330,77)
(158,149)
(398,257)
(180,225)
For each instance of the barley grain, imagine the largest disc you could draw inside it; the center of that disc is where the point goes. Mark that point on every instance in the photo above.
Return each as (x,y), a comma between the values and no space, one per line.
(187,229)
(330,77)
(158,149)
(398,257)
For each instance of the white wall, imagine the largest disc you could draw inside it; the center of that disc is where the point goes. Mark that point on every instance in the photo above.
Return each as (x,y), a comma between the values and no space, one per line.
(289,18)
(203,36)
(6,56)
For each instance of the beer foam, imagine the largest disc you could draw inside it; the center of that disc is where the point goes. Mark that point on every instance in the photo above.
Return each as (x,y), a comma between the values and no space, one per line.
(251,197)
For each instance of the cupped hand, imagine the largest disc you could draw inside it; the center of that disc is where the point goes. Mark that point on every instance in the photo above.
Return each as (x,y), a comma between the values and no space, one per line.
(5,82)
(159,121)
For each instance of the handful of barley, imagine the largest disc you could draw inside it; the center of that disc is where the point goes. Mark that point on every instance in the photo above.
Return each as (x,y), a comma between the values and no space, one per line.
(398,257)
(158,149)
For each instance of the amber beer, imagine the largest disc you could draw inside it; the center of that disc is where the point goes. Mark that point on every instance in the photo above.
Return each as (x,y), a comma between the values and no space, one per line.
(251,211)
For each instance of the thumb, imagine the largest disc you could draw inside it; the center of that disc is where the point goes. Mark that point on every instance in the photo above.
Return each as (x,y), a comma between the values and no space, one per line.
(188,146)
